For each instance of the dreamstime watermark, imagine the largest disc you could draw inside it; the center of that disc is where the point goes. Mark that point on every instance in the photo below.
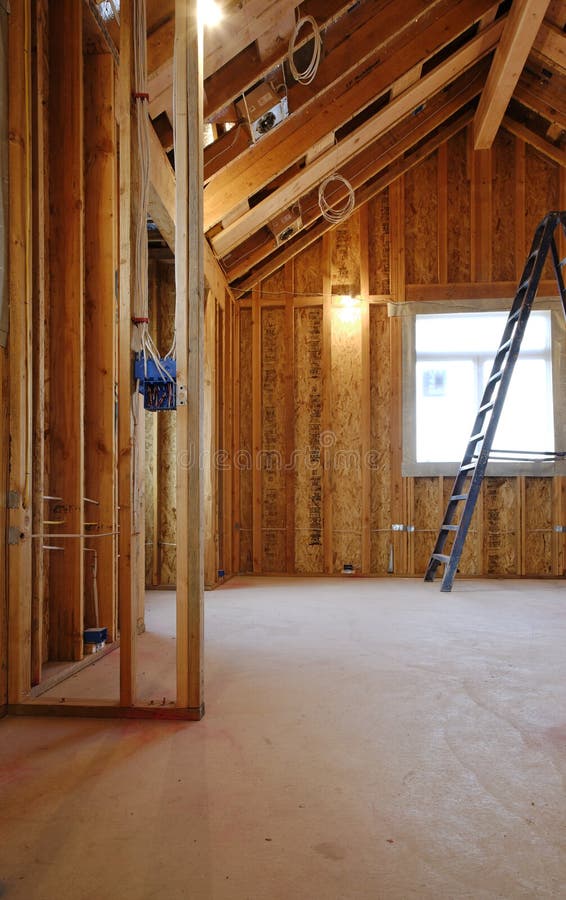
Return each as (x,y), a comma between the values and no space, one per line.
(327,455)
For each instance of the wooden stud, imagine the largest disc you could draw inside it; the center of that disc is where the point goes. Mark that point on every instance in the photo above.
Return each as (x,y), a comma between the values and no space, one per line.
(327,437)
(19,352)
(235,444)
(100,327)
(39,632)
(127,607)
(66,326)
(397,205)
(290,421)
(481,253)
(365,435)
(520,242)
(189,270)
(443,213)
(257,504)
(210,485)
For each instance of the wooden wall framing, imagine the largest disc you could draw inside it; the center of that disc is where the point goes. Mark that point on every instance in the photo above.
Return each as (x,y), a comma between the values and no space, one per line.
(455,226)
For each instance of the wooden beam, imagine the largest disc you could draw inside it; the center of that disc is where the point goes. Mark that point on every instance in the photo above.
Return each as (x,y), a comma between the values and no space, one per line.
(100,337)
(257,505)
(19,352)
(290,141)
(40,228)
(327,437)
(66,329)
(324,165)
(162,208)
(362,196)
(547,97)
(127,606)
(521,27)
(189,274)
(551,43)
(365,392)
(553,151)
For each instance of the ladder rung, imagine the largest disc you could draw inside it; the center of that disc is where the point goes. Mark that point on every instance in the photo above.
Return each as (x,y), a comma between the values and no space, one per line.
(505,346)
(458,497)
(495,377)
(449,527)
(467,466)
(486,406)
(441,557)
(477,437)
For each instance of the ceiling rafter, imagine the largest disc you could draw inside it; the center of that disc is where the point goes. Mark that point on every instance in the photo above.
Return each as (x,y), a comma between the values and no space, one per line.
(521,27)
(398,168)
(328,162)
(376,157)
(290,141)
(558,154)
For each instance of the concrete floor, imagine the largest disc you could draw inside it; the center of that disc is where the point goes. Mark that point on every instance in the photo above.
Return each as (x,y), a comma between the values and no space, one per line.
(363,739)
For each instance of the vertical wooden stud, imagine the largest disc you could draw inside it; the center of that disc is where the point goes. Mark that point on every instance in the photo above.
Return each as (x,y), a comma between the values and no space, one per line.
(327,437)
(235,445)
(481,214)
(126,595)
(66,327)
(398,507)
(100,330)
(443,214)
(189,273)
(290,421)
(520,215)
(365,434)
(257,432)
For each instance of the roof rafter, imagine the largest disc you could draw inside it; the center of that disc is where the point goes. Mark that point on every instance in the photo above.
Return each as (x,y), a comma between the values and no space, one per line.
(521,27)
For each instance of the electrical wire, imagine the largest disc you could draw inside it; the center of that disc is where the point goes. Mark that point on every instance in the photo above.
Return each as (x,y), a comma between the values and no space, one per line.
(307,75)
(336,214)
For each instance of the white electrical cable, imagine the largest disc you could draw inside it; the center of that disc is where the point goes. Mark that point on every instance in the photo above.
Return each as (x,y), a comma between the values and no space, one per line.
(308,74)
(336,214)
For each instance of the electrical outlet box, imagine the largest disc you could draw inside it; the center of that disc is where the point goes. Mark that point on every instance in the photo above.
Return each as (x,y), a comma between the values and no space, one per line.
(262,109)
(286,225)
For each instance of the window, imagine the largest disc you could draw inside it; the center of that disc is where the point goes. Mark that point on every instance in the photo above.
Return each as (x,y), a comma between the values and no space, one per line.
(451,360)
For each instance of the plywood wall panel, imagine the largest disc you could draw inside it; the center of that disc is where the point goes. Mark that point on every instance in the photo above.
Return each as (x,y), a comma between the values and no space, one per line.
(308,270)
(426,517)
(538,526)
(378,244)
(542,188)
(472,560)
(501,526)
(273,423)
(345,438)
(309,557)
(345,257)
(273,286)
(151,537)
(503,208)
(458,212)
(244,454)
(421,216)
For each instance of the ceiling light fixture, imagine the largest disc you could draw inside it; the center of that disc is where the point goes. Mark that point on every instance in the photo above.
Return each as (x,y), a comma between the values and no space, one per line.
(210,12)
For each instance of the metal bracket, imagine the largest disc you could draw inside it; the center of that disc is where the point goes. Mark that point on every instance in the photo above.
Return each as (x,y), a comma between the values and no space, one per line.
(560,529)
(181,395)
(409,528)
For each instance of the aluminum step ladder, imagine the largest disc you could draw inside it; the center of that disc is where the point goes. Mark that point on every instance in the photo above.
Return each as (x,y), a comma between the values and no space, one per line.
(461,505)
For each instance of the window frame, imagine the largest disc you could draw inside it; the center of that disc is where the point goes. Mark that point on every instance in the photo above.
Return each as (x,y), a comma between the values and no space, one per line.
(409,311)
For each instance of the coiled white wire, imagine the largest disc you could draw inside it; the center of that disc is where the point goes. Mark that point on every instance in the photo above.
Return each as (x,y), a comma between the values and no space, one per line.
(308,74)
(336,214)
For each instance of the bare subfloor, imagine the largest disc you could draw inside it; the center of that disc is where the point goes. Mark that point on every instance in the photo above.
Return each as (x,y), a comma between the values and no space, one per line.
(363,739)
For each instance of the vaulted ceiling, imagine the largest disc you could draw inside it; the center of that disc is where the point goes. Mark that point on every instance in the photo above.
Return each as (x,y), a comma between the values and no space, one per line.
(395,80)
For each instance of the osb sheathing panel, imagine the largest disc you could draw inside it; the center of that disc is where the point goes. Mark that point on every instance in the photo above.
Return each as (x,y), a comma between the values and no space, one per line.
(542,189)
(273,374)
(501,524)
(538,526)
(421,223)
(503,209)
(308,270)
(458,212)
(244,455)
(309,558)
(345,257)
(273,285)
(380,391)
(378,244)
(344,439)
(426,518)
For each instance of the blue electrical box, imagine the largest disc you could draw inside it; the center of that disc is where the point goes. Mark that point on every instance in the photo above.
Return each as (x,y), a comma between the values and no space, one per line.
(157,385)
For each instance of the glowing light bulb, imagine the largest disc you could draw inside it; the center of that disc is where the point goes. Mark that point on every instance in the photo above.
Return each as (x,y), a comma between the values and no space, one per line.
(210,12)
